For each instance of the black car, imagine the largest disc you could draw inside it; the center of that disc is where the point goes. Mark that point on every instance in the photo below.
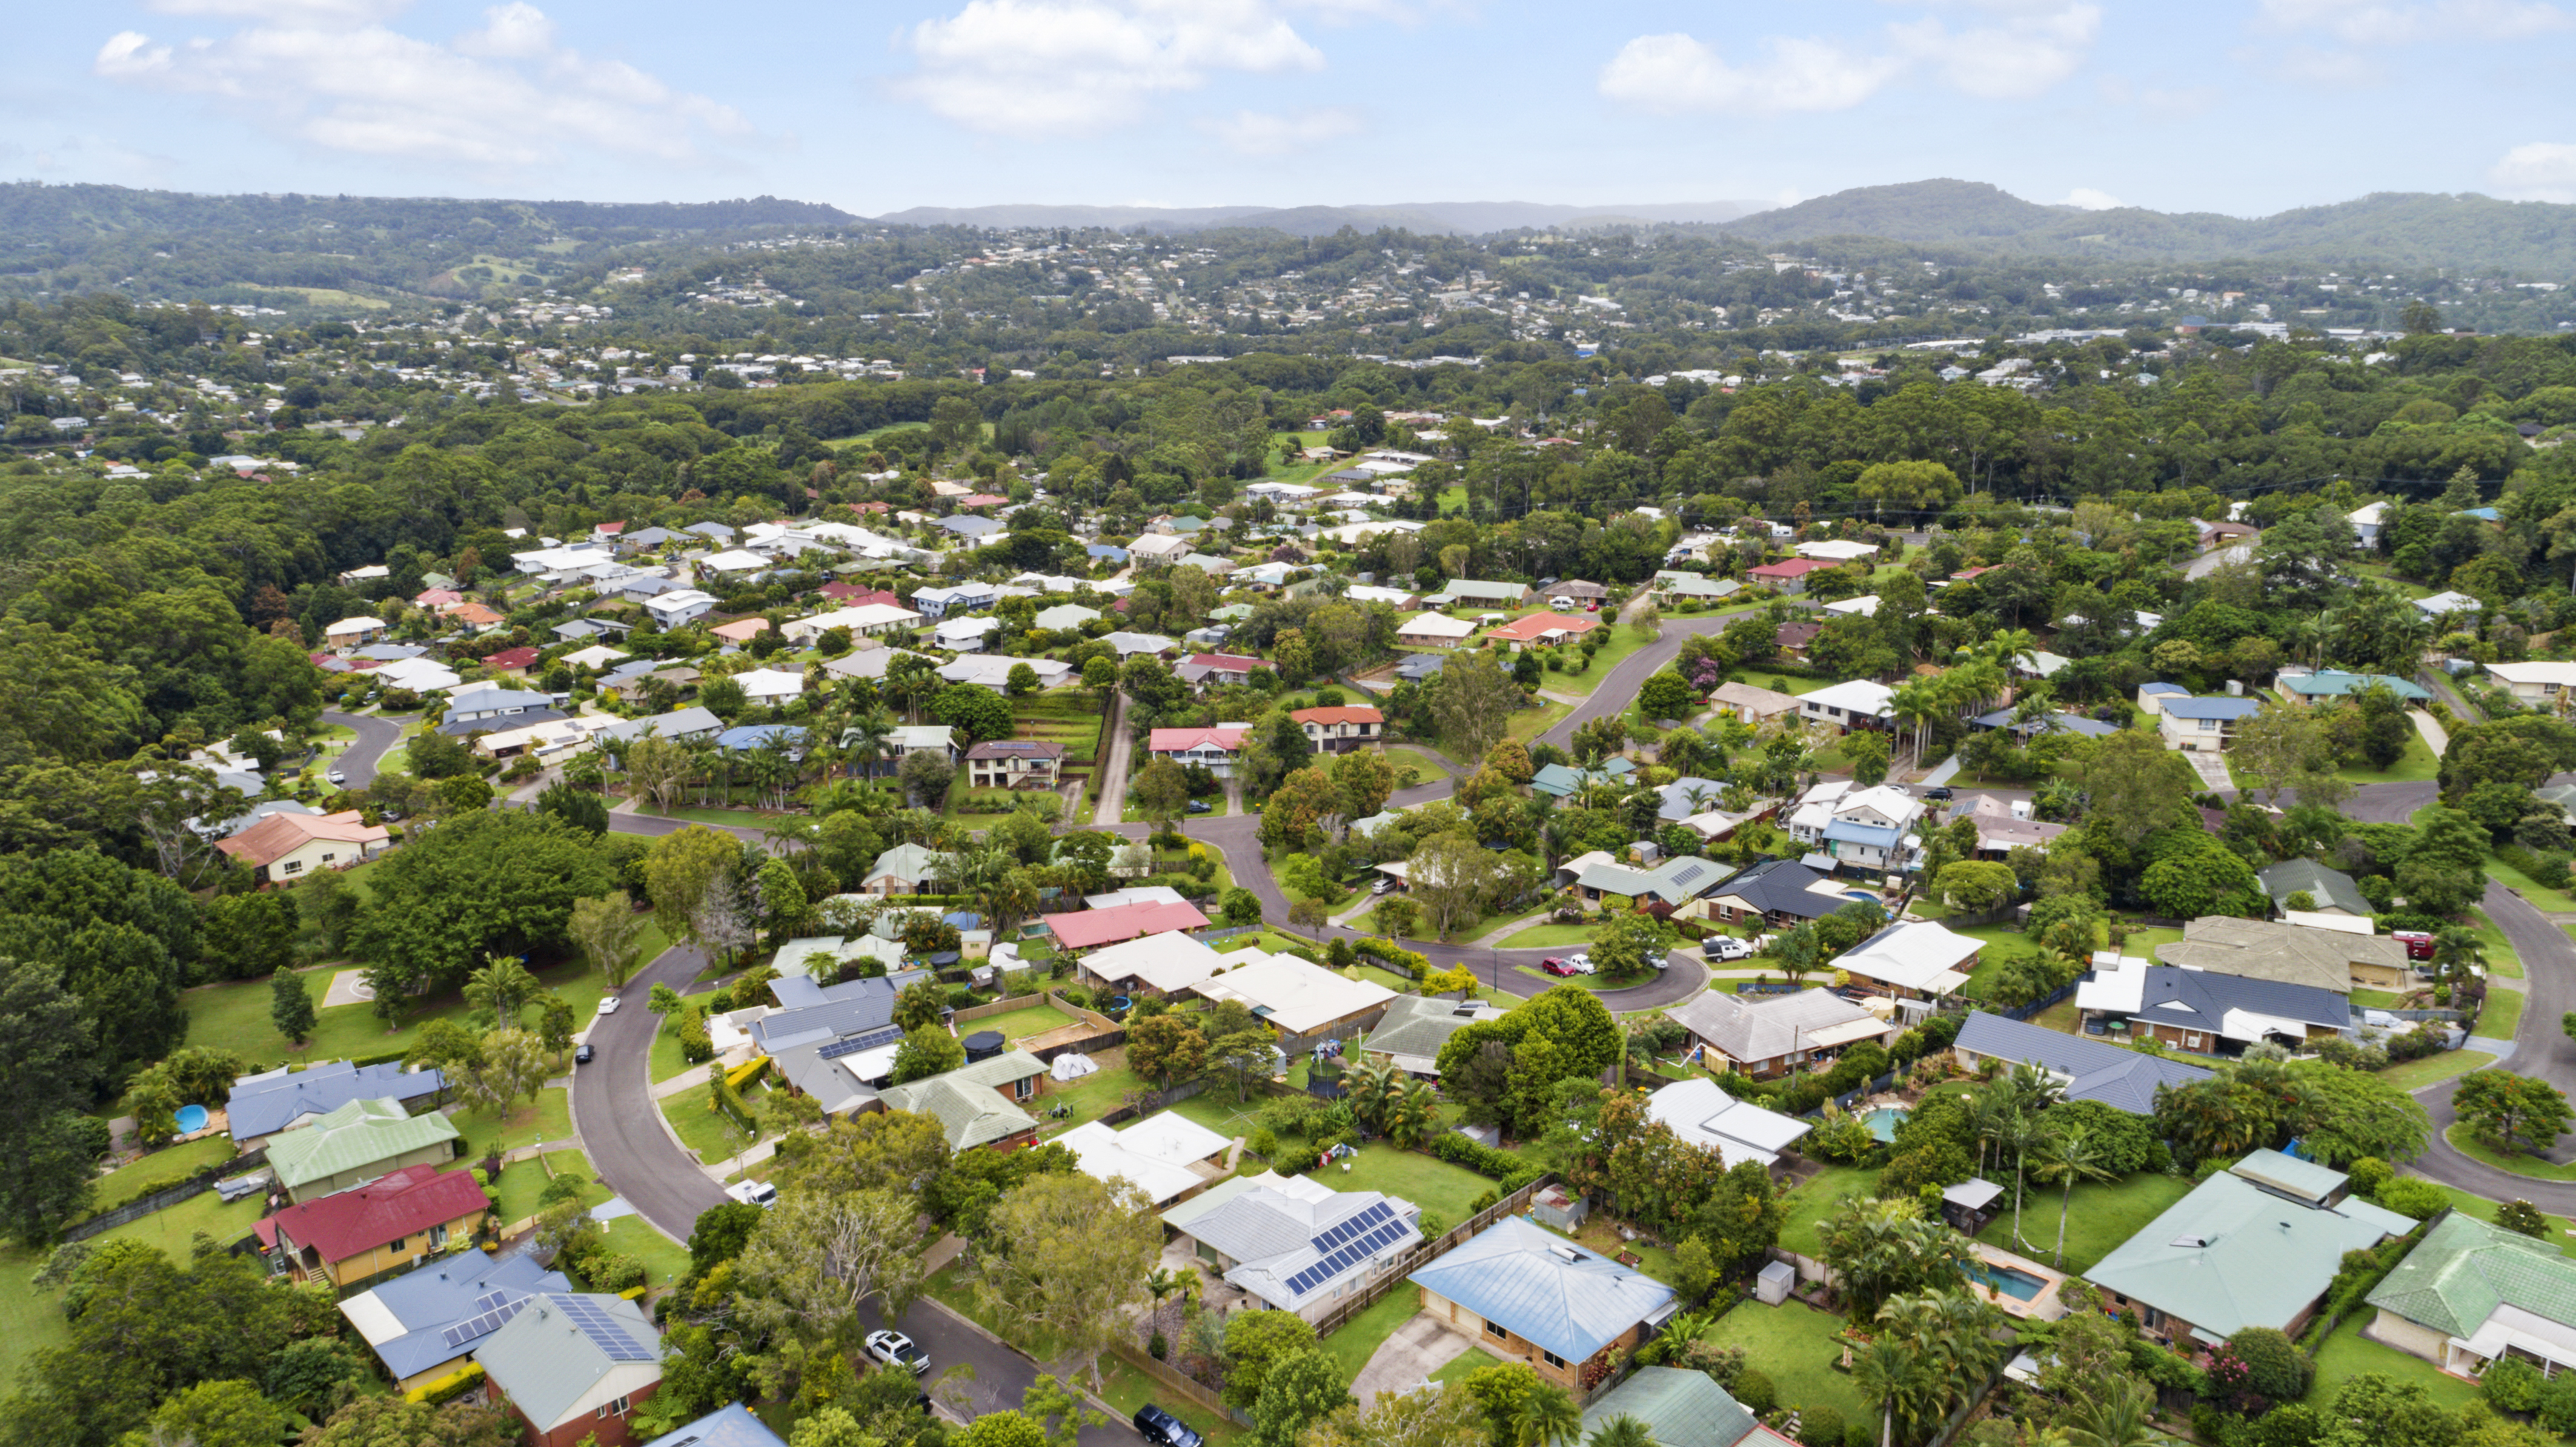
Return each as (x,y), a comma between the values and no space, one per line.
(582,1056)
(1937,791)
(1201,806)
(1165,1430)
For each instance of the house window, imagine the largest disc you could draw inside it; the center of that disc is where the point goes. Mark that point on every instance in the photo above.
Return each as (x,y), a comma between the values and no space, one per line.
(616,1408)
(292,866)
(437,1237)
(1491,1329)
(1023,1089)
(327,858)
(1553,1359)
(397,1245)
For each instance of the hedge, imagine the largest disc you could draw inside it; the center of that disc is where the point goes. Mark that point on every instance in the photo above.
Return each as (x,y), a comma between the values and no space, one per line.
(742,1075)
(455,1384)
(1395,957)
(1509,1171)
(2549,871)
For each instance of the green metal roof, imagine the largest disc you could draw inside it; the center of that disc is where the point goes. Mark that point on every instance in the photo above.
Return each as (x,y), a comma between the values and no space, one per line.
(2464,1269)
(2306,1180)
(1680,1408)
(966,1102)
(2232,1255)
(354,1137)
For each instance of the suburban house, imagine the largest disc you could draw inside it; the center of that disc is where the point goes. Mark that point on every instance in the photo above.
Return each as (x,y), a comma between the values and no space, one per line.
(2089,1069)
(1064,618)
(2301,685)
(289,846)
(740,631)
(482,702)
(1763,1036)
(351,634)
(1474,593)
(423,1325)
(1750,704)
(1854,704)
(355,1143)
(1014,764)
(2366,521)
(1560,781)
(770,685)
(1091,928)
(2315,955)
(1522,1292)
(2194,725)
(1922,960)
(2004,825)
(1214,748)
(1434,630)
(906,869)
(2208,1013)
(902,739)
(1156,964)
(1307,1004)
(730,1425)
(573,1366)
(1533,629)
(1701,1113)
(1419,667)
(282,1099)
(978,1104)
(834,1044)
(1340,730)
(1669,585)
(1779,892)
(1166,1155)
(389,1224)
(864,621)
(2534,685)
(1409,1035)
(683,723)
(679,607)
(993,670)
(2471,1294)
(2331,891)
(1216,670)
(1292,1243)
(1792,639)
(1789,575)
(937,603)
(1571,590)
(2255,1245)
(1673,883)
(1681,1408)
(965,635)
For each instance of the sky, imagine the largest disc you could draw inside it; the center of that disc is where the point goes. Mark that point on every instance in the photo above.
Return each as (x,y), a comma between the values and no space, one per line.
(2240,106)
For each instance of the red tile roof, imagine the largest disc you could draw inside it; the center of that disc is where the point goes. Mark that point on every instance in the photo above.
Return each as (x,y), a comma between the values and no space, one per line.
(1793,568)
(610,530)
(1223,662)
(279,835)
(434,597)
(510,658)
(403,1203)
(981,499)
(1094,927)
(851,595)
(1539,625)
(1338,716)
(1169,741)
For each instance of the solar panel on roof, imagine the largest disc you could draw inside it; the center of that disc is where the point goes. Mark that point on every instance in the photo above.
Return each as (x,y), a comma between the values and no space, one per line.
(604,1331)
(486,1303)
(857,1043)
(1687,875)
(484,1325)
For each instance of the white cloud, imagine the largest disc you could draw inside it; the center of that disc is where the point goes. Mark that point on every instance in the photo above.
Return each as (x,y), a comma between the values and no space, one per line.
(501,97)
(2005,50)
(2395,22)
(1056,67)
(2085,198)
(1676,74)
(2541,171)
(1257,133)
(2332,68)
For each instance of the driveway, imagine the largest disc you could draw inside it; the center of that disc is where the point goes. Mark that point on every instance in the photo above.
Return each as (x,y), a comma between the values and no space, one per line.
(1002,1376)
(1114,769)
(1406,1360)
(2212,768)
(614,1114)
(375,735)
(2211,561)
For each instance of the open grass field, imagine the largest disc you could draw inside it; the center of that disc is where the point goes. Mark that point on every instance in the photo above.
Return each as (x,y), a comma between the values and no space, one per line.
(1426,1181)
(234,1015)
(1421,759)
(1793,1344)
(1090,1098)
(2434,1069)
(1529,723)
(173,1231)
(2100,1216)
(2347,1354)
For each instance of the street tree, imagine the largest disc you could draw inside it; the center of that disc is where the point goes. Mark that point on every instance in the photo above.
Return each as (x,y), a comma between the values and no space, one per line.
(610,934)
(1068,1260)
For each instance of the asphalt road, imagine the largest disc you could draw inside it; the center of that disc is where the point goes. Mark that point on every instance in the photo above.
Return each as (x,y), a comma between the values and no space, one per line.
(1002,1376)
(2540,1048)
(614,1114)
(375,736)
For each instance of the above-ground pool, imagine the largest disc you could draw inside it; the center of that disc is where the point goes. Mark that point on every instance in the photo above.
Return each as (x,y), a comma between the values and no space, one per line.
(192,1119)
(2019,1285)
(1883,1121)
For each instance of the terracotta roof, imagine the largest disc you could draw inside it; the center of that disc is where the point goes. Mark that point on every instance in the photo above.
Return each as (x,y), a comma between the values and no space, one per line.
(1796,635)
(1353,715)
(436,597)
(1793,568)
(741,630)
(279,835)
(1091,927)
(1538,625)
(402,1203)
(474,613)
(510,658)
(1222,662)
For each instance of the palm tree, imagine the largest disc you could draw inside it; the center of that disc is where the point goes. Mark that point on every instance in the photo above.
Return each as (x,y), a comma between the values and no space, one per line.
(1989,1106)
(1891,1371)
(1918,701)
(2073,1155)
(1545,1417)
(2118,1412)
(2024,1134)
(1372,1089)
(868,736)
(1621,1431)
(1414,1112)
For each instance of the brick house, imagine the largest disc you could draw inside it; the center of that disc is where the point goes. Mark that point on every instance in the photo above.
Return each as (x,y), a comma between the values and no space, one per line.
(1340,730)
(1014,764)
(1524,1293)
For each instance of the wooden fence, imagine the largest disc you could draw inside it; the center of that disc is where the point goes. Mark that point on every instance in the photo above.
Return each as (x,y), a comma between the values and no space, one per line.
(168,1196)
(1178,1382)
(1428,1252)
(998,1007)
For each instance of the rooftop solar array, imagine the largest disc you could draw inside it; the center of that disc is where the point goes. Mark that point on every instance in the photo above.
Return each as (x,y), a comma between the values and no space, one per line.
(887,1035)
(1350,1254)
(1690,874)
(1354,1224)
(605,1332)
(476,1328)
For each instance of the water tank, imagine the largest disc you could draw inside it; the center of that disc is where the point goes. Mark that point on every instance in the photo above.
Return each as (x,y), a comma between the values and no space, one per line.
(983,1045)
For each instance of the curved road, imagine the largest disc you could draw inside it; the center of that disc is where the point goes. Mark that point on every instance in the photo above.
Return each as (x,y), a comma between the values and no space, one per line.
(375,735)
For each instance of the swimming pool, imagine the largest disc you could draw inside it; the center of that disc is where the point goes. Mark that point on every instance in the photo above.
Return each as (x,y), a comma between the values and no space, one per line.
(2019,1285)
(1883,1121)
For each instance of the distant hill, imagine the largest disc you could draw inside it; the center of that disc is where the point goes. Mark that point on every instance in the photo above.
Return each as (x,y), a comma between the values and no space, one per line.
(1462,217)
(36,211)
(2389,228)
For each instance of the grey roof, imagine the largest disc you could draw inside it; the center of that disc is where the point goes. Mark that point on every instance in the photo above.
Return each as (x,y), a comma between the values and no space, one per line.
(852,1007)
(1784,885)
(1571,1300)
(2232,1255)
(442,1293)
(1419,666)
(717,531)
(2331,888)
(2200,1000)
(2213,708)
(1677,805)
(2115,1075)
(967,525)
(1767,1028)
(1416,1026)
(2054,722)
(1289,1247)
(560,1345)
(1676,881)
(1681,1408)
(263,1104)
(679,723)
(965,1102)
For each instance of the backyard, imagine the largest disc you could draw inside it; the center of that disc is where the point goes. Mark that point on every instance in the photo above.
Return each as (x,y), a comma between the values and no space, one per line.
(1795,1346)
(1018,1025)
(2348,1354)
(2101,1215)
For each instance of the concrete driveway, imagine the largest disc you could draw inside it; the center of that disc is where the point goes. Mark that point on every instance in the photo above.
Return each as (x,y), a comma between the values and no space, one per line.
(2212,768)
(1407,1359)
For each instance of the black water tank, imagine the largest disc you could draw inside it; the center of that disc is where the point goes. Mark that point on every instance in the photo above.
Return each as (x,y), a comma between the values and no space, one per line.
(983,1045)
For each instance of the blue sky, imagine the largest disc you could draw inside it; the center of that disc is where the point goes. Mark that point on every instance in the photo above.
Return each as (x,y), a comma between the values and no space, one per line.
(2245,107)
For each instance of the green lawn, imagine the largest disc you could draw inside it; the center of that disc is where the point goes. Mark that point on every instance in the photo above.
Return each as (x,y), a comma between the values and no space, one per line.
(1812,1202)
(1426,1181)
(1018,1025)
(663,1260)
(2375,999)
(1358,1339)
(1094,1096)
(234,1015)
(2432,1069)
(2501,959)
(2100,1217)
(2553,900)
(1467,1364)
(515,1195)
(173,1230)
(1529,723)
(1403,757)
(163,1168)
(1794,1345)
(1623,641)
(666,1061)
(2346,1355)
(29,1319)
(2417,766)
(1546,935)
(701,1129)
(2503,1013)
(2465,1141)
(2561,1229)
(550,1119)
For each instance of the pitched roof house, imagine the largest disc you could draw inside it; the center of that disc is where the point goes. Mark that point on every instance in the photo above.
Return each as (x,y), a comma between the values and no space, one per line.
(1522,1292)
(574,1365)
(1294,1243)
(1762,1036)
(1704,1115)
(1918,960)
(1544,628)
(1091,928)
(2332,890)
(2471,1293)
(1164,964)
(1414,1028)
(422,1325)
(289,846)
(1304,1002)
(1167,1156)
(2197,1010)
(1681,1408)
(2090,1069)
(978,1104)
(386,1225)
(358,1142)
(262,1105)
(2294,954)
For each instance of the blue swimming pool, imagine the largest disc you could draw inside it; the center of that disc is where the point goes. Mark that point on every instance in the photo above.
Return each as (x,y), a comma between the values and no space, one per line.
(191,1119)
(1883,1121)
(2019,1285)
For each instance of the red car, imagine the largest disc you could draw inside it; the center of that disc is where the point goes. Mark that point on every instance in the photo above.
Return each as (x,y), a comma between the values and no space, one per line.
(2419,945)
(1558,967)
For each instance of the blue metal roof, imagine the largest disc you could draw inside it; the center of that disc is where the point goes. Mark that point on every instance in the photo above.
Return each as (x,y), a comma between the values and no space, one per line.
(457,1289)
(752,736)
(1877,836)
(726,1426)
(2217,708)
(1569,1299)
(262,1105)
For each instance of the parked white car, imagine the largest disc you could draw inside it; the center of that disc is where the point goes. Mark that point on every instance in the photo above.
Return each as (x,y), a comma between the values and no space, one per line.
(608,1004)
(1727,949)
